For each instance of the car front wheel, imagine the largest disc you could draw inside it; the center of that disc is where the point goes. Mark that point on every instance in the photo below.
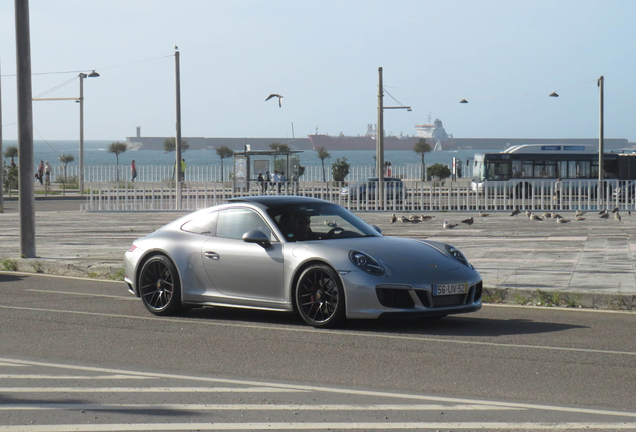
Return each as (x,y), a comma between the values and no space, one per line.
(159,286)
(320,297)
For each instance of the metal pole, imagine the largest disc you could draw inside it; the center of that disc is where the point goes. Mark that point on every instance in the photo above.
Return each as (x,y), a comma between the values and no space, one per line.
(1,154)
(25,129)
(178,125)
(81,137)
(379,138)
(600,143)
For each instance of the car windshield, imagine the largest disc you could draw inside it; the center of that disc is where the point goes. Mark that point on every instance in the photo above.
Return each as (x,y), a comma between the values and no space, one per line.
(318,221)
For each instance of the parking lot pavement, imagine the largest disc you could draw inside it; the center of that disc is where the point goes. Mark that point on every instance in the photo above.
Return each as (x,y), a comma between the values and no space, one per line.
(591,261)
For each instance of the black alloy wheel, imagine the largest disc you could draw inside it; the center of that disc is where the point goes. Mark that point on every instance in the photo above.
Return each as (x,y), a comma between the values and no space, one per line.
(159,286)
(320,297)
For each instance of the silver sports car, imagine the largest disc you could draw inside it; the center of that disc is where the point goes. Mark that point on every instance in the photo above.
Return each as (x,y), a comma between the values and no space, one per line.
(296,254)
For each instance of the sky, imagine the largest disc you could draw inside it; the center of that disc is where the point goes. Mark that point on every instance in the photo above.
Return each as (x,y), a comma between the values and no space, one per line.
(503,57)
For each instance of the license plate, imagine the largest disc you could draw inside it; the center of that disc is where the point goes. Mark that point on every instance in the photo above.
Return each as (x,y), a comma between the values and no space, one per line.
(448,289)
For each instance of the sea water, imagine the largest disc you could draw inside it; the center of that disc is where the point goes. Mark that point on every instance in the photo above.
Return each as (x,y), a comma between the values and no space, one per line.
(96,154)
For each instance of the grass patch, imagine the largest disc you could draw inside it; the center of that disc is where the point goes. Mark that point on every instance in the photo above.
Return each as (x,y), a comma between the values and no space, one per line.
(37,267)
(9,265)
(93,275)
(118,275)
(493,295)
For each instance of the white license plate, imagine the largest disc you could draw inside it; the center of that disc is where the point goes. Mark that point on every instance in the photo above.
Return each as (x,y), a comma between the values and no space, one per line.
(448,289)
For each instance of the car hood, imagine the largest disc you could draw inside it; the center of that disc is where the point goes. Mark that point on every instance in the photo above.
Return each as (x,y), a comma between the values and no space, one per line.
(399,256)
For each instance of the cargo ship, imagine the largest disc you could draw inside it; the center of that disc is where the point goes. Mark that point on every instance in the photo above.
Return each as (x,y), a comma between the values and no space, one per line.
(434,133)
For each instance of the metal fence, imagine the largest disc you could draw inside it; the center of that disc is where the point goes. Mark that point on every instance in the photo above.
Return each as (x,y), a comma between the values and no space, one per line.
(205,173)
(537,196)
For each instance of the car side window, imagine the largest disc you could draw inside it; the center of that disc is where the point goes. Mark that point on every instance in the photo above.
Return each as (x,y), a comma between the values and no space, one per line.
(233,223)
(204,224)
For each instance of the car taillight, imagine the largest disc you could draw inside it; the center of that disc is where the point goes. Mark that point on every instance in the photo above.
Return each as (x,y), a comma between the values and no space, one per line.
(132,248)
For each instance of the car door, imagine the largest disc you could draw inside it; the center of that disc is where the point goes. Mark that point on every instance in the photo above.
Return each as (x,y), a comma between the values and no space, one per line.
(241,269)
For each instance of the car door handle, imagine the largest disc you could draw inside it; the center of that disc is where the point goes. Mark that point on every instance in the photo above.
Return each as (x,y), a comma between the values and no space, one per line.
(211,255)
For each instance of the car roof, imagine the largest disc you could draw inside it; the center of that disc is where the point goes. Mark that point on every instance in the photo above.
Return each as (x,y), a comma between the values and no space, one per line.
(276,200)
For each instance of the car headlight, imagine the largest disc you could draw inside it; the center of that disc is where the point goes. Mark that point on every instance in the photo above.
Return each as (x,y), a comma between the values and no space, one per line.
(366,263)
(458,255)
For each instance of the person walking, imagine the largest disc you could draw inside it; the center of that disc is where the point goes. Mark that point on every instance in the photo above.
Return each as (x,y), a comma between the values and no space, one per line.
(557,189)
(133,170)
(282,181)
(260,180)
(266,181)
(47,177)
(275,181)
(40,174)
(183,168)
(12,164)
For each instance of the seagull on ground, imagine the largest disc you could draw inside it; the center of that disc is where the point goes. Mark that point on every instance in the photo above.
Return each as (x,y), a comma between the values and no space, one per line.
(468,221)
(562,220)
(535,217)
(404,219)
(556,216)
(546,215)
(482,214)
(528,213)
(393,218)
(602,212)
(579,213)
(605,215)
(414,218)
(448,225)
(615,209)
(273,95)
(617,216)
(331,224)
(580,218)
(425,218)
(515,212)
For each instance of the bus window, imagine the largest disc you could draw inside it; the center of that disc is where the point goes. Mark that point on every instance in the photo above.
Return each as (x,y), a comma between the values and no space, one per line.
(516,168)
(526,169)
(498,170)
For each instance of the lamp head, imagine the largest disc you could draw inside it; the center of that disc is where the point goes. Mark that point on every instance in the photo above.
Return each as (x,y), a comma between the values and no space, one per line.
(463,101)
(93,74)
(554,94)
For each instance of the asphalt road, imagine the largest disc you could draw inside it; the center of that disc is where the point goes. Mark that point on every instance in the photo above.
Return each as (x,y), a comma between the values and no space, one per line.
(45,205)
(89,353)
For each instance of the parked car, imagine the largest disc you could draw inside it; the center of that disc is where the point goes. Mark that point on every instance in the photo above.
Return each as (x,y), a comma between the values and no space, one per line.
(296,254)
(368,188)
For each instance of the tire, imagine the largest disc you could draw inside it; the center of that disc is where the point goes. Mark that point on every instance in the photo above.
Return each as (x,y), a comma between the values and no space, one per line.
(160,287)
(319,297)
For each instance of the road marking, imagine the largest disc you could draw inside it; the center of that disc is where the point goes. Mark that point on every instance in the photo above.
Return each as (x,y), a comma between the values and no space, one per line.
(148,390)
(255,407)
(331,332)
(347,391)
(127,427)
(60,276)
(78,377)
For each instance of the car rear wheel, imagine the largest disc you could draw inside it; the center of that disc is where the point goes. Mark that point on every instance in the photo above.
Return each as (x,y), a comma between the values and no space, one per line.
(320,297)
(159,286)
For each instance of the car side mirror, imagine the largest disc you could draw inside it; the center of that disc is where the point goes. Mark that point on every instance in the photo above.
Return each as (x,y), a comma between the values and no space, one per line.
(258,237)
(377,228)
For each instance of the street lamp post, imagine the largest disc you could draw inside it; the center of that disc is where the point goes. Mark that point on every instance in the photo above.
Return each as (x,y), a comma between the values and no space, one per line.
(601,144)
(379,138)
(81,139)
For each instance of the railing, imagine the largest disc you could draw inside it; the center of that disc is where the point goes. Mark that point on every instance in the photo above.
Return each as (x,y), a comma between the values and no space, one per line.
(205,173)
(412,196)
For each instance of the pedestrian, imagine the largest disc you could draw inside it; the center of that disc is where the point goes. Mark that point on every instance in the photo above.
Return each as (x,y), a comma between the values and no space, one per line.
(47,174)
(458,167)
(12,164)
(133,170)
(183,168)
(260,180)
(282,181)
(275,181)
(40,174)
(557,189)
(266,181)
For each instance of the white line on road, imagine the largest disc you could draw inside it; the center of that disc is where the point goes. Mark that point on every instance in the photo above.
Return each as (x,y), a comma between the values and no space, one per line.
(71,377)
(119,297)
(127,427)
(148,390)
(347,391)
(255,407)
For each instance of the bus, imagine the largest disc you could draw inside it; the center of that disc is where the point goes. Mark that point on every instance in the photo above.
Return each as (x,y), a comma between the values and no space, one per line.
(522,168)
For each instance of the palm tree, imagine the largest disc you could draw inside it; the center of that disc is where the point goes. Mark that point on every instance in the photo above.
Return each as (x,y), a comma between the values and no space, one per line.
(65,159)
(169,145)
(322,155)
(421,148)
(117,148)
(224,152)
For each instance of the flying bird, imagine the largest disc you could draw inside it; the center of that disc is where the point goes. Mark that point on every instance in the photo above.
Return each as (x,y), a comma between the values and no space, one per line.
(273,95)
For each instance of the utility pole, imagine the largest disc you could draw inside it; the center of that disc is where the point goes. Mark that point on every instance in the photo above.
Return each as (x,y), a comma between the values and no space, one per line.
(1,155)
(25,129)
(600,144)
(379,138)
(177,143)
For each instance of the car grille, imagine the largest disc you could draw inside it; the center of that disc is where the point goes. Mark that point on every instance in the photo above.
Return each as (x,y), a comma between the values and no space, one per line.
(395,298)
